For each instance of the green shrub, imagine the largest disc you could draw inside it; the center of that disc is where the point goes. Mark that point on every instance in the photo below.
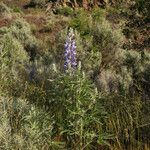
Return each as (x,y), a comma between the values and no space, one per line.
(82,22)
(17,9)
(49,26)
(67,11)
(98,14)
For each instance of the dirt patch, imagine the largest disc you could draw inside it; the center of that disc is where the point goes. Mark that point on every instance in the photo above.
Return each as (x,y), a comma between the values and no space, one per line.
(5,22)
(39,21)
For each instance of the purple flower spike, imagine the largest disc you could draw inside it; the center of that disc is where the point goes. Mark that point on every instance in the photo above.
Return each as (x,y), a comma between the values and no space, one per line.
(70,51)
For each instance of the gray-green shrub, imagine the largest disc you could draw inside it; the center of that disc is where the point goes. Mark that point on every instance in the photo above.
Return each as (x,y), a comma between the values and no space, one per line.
(4,10)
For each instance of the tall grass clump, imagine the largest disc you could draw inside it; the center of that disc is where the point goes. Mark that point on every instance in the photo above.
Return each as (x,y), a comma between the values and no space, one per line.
(124,120)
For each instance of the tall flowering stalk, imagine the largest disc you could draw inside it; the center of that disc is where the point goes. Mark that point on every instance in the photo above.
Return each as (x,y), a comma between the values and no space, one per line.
(70,51)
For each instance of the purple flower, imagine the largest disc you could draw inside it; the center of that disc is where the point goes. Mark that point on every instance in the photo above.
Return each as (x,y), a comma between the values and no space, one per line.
(70,51)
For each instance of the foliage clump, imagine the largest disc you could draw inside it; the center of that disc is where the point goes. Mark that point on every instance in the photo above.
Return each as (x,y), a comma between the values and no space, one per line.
(21,30)
(4,10)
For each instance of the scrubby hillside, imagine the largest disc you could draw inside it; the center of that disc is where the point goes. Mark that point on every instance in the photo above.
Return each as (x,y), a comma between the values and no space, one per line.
(74,75)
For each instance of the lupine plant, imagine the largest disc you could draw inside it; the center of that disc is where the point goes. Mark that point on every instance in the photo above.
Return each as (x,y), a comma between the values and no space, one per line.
(70,51)
(77,111)
(76,108)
